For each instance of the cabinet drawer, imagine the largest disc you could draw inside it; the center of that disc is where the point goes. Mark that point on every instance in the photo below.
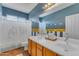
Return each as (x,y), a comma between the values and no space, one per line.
(39,46)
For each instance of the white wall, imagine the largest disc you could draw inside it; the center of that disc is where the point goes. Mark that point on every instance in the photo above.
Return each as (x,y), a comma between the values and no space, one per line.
(12,33)
(72,25)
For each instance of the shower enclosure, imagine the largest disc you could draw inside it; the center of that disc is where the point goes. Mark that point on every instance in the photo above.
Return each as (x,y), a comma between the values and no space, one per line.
(13,33)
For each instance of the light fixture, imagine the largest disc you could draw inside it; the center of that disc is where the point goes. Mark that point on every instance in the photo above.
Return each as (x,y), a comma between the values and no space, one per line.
(48,5)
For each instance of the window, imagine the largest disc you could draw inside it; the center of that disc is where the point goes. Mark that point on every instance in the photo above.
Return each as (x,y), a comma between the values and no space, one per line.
(12,18)
(16,18)
(21,19)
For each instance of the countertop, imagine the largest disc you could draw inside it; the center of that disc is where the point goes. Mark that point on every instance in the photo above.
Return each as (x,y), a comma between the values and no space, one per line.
(58,46)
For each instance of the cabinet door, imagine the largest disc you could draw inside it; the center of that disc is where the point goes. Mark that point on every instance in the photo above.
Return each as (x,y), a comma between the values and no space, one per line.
(29,46)
(33,48)
(47,52)
(44,51)
(39,50)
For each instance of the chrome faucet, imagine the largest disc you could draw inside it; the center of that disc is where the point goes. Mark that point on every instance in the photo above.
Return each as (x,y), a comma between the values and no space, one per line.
(66,36)
(66,41)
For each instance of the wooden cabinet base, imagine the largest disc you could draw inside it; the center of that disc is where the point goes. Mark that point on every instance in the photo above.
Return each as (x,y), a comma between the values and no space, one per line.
(29,46)
(33,51)
(39,50)
(47,52)
(36,49)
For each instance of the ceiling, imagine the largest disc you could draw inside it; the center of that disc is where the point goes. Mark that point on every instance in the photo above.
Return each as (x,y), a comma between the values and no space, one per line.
(23,7)
(55,8)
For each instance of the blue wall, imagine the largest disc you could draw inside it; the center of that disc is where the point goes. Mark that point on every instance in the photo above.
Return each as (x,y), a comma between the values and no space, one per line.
(56,19)
(9,11)
(36,11)
(35,25)
(59,17)
(34,14)
(0,9)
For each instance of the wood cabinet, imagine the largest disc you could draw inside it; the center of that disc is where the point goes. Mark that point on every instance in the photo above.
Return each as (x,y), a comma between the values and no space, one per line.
(29,46)
(33,49)
(39,50)
(36,49)
(47,52)
(58,54)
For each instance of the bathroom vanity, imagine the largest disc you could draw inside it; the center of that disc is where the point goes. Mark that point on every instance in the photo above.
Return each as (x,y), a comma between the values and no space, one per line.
(39,46)
(37,49)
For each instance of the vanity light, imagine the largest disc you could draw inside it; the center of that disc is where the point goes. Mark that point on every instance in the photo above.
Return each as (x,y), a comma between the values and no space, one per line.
(48,5)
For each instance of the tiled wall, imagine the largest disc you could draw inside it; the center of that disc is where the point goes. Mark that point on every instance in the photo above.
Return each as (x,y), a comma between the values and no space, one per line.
(57,32)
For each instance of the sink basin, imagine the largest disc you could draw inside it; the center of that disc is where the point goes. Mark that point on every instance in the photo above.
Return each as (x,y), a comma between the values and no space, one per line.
(65,47)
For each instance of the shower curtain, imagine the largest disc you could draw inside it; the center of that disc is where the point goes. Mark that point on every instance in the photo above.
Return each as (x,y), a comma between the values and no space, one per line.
(12,33)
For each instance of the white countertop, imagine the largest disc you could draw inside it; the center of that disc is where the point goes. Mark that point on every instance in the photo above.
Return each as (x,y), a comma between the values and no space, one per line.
(58,46)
